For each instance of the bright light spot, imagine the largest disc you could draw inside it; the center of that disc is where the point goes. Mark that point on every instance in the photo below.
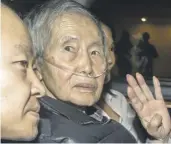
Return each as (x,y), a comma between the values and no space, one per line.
(143,19)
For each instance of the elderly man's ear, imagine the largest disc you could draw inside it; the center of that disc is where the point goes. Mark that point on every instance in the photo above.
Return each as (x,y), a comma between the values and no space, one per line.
(38,73)
(39,76)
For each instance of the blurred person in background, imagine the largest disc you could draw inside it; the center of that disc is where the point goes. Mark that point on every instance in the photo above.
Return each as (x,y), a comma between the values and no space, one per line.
(113,104)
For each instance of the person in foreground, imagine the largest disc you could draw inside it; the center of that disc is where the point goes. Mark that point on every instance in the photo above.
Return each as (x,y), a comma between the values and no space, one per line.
(19,84)
(71,51)
(115,104)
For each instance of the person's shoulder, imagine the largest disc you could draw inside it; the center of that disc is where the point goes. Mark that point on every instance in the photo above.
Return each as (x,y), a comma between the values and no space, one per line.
(115,95)
(118,103)
(153,51)
(152,46)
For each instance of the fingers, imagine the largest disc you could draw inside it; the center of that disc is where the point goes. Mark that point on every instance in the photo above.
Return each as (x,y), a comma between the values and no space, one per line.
(138,92)
(154,124)
(144,87)
(136,103)
(157,89)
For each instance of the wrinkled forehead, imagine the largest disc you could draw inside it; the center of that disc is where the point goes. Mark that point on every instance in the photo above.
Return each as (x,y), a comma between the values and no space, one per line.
(76,24)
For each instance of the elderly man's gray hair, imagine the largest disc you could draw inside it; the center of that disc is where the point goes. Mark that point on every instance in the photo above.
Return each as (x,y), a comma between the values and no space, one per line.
(40,22)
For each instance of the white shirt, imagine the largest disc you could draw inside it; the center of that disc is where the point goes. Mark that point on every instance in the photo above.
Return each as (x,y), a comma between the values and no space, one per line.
(119,104)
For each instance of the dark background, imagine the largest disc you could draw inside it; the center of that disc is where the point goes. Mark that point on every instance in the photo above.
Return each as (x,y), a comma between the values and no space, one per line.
(108,8)
(120,14)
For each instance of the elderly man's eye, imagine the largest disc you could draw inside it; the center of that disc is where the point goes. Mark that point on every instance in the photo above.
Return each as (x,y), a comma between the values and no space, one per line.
(69,49)
(95,53)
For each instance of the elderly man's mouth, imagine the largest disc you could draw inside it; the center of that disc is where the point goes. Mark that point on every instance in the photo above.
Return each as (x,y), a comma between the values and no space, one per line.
(85,87)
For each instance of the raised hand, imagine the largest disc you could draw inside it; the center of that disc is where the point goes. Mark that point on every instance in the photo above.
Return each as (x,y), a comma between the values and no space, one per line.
(151,110)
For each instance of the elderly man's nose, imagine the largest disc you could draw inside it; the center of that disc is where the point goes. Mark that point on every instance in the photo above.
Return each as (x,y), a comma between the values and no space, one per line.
(86,65)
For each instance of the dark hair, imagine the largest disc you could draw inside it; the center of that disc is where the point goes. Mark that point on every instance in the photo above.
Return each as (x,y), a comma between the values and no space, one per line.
(146,36)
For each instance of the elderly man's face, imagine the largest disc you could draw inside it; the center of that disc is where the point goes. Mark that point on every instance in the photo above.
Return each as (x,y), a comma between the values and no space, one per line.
(77,51)
(19,84)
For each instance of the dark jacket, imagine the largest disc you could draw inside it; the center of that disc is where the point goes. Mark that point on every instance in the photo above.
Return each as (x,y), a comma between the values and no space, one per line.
(65,123)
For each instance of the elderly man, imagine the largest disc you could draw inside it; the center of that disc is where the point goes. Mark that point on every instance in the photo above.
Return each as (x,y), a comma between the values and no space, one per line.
(70,47)
(19,84)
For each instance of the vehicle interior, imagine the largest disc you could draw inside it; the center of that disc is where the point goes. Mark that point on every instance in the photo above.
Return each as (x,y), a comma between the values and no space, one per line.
(136,17)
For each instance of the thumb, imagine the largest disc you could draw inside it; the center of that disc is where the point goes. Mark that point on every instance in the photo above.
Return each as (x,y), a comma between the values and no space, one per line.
(154,124)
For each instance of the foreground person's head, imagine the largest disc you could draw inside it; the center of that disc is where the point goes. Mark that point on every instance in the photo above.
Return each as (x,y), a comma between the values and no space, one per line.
(19,84)
(70,50)
(110,48)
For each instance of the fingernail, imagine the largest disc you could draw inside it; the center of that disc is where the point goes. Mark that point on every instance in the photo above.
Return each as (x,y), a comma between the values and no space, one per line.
(155,77)
(127,76)
(138,74)
(156,81)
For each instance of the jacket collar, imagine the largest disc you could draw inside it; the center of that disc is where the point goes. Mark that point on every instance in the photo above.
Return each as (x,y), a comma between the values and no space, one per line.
(70,111)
